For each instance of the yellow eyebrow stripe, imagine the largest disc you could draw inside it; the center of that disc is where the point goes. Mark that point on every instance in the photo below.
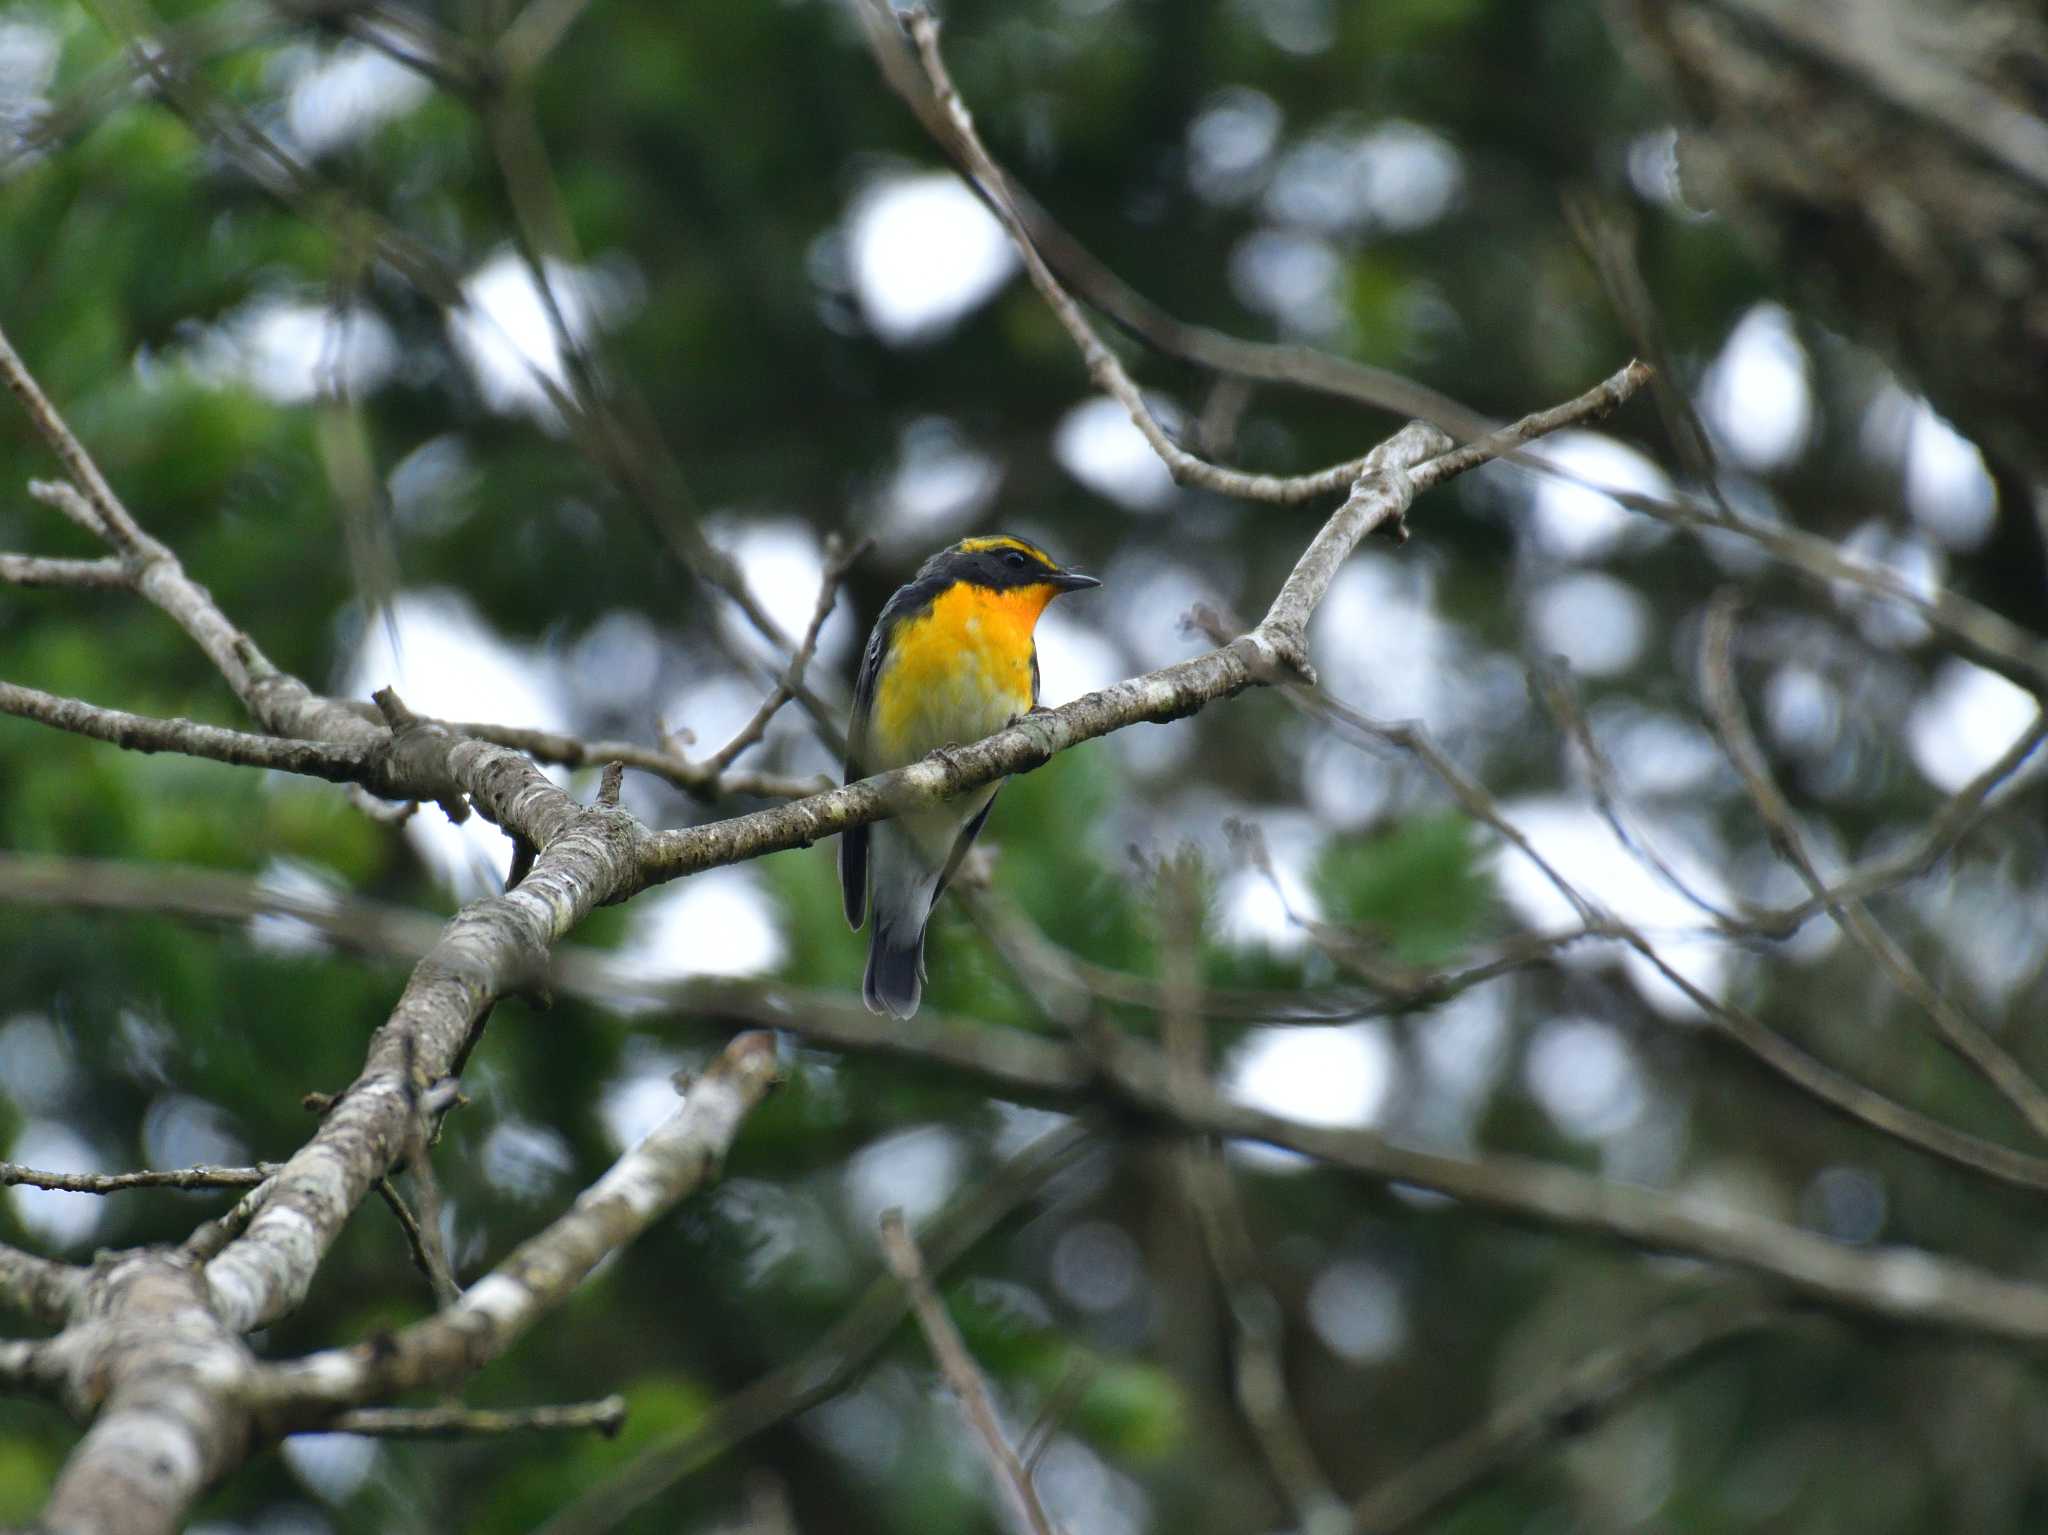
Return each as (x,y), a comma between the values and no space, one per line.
(1003,541)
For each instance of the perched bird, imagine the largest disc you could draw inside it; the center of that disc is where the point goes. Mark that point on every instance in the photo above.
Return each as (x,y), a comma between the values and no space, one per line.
(952,659)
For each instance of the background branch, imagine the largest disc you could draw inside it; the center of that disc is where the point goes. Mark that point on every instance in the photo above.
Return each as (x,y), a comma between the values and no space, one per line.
(962,1375)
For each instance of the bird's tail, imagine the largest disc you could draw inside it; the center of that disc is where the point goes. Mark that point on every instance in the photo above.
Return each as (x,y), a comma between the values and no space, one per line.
(895,977)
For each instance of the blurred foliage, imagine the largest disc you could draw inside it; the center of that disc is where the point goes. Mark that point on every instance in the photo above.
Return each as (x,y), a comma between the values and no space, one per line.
(713,165)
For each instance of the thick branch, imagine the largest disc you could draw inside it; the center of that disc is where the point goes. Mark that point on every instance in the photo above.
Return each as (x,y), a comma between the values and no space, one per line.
(490,947)
(40,1287)
(169,1415)
(677,1158)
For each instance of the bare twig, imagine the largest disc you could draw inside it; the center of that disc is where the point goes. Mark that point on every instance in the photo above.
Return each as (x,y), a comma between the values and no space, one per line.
(606,1415)
(1580,1398)
(1960,815)
(838,560)
(1260,1374)
(37,570)
(1552,684)
(13,1173)
(839,1356)
(1065,1397)
(210,1237)
(110,518)
(1960,1032)
(956,126)
(963,1375)
(429,1255)
(698,778)
(1833,1088)
(1236,359)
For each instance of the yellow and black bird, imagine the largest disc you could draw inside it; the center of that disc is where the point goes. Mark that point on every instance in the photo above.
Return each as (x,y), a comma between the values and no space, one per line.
(952,659)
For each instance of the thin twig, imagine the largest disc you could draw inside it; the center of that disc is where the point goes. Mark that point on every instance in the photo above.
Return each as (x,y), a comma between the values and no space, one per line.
(39,570)
(1552,684)
(838,1357)
(114,523)
(1961,1033)
(606,1415)
(1581,1397)
(209,1238)
(13,1173)
(428,1254)
(1259,1363)
(1835,1089)
(1235,359)
(1104,369)
(962,1374)
(838,560)
(698,778)
(1959,816)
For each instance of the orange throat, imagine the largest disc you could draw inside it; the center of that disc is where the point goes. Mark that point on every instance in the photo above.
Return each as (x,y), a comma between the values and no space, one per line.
(957,671)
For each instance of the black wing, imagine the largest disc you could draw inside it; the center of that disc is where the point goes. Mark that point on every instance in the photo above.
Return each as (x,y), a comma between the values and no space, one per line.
(853,843)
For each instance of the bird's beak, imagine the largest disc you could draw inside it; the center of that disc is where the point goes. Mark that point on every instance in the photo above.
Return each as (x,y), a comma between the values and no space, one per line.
(1074,581)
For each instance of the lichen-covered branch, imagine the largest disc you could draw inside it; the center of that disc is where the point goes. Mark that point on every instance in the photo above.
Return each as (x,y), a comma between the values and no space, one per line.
(606,1416)
(676,1158)
(143,733)
(13,1174)
(39,1287)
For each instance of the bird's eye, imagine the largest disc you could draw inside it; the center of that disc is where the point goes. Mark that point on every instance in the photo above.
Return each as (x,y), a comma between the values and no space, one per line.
(1015,560)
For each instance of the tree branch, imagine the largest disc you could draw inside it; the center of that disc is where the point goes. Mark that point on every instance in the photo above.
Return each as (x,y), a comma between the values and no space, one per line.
(1833,1088)
(962,1374)
(677,1158)
(1961,1033)
(838,560)
(38,570)
(13,1173)
(954,126)
(40,1288)
(1532,1422)
(835,1360)
(698,778)
(1259,1358)
(143,733)
(607,1416)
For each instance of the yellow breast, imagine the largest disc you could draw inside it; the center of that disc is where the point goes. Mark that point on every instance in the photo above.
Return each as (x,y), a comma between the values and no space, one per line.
(956,672)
